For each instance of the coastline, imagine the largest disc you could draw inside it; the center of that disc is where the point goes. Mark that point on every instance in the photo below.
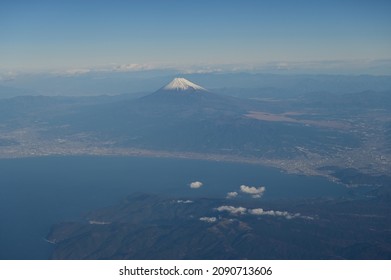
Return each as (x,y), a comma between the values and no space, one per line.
(289,166)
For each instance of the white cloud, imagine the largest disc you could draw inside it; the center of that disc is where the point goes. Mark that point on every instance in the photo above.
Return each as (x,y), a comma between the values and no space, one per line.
(255,192)
(76,72)
(133,67)
(200,70)
(232,209)
(185,201)
(196,185)
(257,211)
(8,76)
(285,214)
(208,219)
(260,212)
(232,194)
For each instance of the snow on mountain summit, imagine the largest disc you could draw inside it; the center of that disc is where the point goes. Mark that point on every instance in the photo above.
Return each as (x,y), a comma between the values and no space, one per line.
(182,84)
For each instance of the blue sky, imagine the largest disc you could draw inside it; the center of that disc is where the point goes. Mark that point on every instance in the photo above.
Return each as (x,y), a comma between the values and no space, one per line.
(48,35)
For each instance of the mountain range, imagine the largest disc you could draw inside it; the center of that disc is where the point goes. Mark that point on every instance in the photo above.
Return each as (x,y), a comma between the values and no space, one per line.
(307,134)
(145,226)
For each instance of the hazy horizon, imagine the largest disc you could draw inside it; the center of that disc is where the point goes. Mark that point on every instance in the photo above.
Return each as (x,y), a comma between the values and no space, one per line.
(333,37)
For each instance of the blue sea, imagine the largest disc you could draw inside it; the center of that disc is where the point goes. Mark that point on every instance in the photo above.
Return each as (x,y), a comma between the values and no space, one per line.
(36,193)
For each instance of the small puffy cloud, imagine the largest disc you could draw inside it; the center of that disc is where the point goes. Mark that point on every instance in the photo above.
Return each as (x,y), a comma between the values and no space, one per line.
(232,194)
(255,192)
(285,214)
(208,219)
(257,211)
(260,211)
(232,209)
(196,185)
(185,201)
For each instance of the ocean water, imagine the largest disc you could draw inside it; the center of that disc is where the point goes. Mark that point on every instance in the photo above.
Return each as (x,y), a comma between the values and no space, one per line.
(36,193)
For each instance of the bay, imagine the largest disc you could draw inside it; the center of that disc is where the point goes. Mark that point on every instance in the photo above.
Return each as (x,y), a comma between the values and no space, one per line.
(36,193)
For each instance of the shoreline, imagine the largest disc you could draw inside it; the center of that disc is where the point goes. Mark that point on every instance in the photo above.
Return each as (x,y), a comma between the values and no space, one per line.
(287,166)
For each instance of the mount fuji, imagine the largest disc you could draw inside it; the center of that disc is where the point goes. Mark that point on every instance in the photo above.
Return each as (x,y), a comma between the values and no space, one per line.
(179,100)
(182,93)
(180,116)
(181,84)
(182,89)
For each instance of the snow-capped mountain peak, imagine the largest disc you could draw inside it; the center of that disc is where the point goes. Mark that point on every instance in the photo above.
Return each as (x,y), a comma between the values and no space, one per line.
(182,84)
